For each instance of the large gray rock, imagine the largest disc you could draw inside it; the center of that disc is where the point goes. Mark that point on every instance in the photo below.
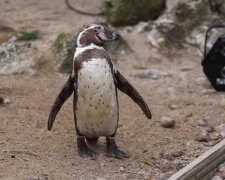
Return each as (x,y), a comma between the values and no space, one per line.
(18,59)
(63,49)
(128,12)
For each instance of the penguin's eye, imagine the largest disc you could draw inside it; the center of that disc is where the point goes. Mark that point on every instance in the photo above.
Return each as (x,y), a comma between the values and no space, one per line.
(96,29)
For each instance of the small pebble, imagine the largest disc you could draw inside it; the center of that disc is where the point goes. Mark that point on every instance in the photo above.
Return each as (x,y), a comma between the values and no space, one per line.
(34,178)
(203,122)
(121,169)
(208,128)
(173,107)
(5,101)
(178,153)
(167,122)
(203,137)
(214,136)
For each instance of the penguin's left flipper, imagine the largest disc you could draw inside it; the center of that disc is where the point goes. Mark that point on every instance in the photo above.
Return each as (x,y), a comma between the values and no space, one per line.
(64,94)
(124,86)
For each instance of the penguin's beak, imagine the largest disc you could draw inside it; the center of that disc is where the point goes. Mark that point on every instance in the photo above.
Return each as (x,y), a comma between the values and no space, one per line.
(111,35)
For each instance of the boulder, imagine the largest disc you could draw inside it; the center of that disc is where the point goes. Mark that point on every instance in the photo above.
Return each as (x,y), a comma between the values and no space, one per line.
(63,49)
(129,12)
(18,58)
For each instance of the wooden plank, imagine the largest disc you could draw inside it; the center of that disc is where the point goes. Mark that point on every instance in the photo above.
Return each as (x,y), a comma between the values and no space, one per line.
(202,167)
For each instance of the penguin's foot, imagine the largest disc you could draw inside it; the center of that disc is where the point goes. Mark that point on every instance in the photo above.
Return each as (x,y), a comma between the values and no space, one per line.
(83,149)
(113,150)
(92,141)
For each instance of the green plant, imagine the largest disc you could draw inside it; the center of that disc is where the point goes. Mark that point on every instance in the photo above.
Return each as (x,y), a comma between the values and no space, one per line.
(29,35)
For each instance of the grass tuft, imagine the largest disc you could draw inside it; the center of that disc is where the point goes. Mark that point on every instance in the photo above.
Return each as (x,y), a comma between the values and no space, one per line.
(29,35)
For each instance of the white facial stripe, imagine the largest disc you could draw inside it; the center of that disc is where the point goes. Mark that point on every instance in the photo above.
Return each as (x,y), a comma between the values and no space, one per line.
(81,33)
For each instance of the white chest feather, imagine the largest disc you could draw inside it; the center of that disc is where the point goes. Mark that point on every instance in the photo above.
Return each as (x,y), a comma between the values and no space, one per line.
(97,108)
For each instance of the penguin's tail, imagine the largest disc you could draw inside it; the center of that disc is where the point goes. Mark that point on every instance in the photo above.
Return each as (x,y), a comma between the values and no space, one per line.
(64,94)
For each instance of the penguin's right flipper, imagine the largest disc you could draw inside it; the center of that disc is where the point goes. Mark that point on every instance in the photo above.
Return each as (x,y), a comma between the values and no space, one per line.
(124,86)
(64,94)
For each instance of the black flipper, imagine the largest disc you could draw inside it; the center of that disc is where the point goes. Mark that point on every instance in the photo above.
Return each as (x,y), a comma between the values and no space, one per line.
(124,86)
(64,94)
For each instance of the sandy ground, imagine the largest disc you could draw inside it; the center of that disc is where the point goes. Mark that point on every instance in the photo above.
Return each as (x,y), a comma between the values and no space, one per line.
(28,150)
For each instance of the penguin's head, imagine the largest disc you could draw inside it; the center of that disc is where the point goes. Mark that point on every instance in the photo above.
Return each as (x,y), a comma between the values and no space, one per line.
(96,34)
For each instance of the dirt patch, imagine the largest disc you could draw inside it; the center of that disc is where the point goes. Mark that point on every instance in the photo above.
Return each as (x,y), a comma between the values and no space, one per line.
(28,150)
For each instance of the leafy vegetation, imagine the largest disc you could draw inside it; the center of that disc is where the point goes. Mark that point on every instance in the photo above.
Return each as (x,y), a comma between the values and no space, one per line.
(29,35)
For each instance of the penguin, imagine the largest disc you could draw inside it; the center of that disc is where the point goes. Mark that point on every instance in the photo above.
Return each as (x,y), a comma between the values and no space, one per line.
(94,81)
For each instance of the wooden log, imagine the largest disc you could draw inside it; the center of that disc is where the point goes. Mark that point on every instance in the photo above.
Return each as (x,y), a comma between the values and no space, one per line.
(202,167)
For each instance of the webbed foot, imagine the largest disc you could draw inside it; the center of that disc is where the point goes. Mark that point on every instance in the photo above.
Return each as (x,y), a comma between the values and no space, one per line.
(83,149)
(113,150)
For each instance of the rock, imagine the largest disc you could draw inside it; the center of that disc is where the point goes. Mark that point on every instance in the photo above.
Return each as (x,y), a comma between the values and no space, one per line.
(34,178)
(216,178)
(142,27)
(18,59)
(128,12)
(63,49)
(205,125)
(167,122)
(203,122)
(153,38)
(173,107)
(7,101)
(221,129)
(214,136)
(152,74)
(178,153)
(121,168)
(208,128)
(4,101)
(188,15)
(202,137)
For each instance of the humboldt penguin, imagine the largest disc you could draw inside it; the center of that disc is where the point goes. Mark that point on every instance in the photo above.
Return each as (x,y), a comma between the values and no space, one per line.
(94,82)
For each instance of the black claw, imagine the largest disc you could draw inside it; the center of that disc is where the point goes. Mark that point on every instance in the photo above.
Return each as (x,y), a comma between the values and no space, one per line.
(83,149)
(113,150)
